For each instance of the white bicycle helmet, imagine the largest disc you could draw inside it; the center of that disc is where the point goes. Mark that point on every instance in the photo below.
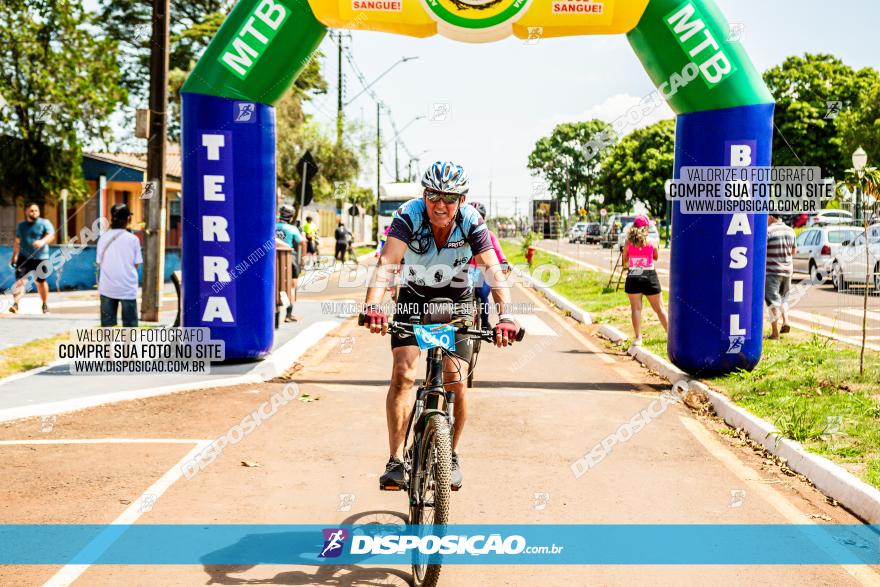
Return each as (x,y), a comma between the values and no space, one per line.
(446,176)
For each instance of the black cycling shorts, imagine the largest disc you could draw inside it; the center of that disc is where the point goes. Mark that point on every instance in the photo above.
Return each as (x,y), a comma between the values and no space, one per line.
(295,267)
(410,308)
(642,281)
(25,266)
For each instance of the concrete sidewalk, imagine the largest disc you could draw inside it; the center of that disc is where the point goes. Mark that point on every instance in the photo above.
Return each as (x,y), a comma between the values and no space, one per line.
(68,310)
(53,389)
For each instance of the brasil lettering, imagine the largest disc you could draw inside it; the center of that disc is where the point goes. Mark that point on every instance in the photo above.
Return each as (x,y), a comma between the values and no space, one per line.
(216,247)
(697,40)
(253,37)
(737,241)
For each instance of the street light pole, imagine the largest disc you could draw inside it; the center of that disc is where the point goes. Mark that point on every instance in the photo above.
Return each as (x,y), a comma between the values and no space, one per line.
(381,75)
(859,160)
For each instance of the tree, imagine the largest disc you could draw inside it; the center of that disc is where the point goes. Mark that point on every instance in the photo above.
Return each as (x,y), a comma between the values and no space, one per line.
(61,83)
(642,161)
(297,133)
(860,127)
(804,87)
(868,181)
(193,24)
(566,161)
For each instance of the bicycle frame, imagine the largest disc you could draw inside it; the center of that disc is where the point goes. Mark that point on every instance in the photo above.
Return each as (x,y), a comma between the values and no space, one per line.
(431,398)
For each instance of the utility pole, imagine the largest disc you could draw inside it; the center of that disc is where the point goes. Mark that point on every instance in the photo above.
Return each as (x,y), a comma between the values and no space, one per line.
(378,167)
(396,167)
(154,235)
(490,200)
(339,90)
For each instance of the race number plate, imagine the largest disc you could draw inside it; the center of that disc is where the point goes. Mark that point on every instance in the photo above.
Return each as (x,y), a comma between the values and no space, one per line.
(429,336)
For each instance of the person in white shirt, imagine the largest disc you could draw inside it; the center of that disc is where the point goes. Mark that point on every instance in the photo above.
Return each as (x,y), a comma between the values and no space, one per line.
(118,255)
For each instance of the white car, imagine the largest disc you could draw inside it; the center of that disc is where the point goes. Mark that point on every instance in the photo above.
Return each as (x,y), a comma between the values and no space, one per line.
(817,246)
(830,217)
(653,236)
(577,232)
(852,265)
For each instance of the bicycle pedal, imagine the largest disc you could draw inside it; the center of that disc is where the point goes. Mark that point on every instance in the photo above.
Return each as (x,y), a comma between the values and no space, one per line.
(390,488)
(455,488)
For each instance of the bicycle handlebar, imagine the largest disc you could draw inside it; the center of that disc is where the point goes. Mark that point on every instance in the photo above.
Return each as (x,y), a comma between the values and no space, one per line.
(487,334)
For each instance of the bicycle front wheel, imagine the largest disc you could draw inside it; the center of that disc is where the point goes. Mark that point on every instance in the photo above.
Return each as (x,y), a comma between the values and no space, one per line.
(431,508)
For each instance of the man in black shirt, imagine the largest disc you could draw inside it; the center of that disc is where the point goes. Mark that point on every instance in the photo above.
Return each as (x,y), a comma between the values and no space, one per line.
(343,237)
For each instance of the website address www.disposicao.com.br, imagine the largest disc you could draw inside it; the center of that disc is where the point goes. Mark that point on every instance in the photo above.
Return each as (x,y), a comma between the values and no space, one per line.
(339,542)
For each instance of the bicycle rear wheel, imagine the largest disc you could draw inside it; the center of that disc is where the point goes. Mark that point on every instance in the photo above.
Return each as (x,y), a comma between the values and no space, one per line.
(431,508)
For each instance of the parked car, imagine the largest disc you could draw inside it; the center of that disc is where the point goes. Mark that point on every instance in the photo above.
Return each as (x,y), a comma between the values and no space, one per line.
(817,246)
(593,233)
(576,232)
(849,264)
(830,217)
(653,235)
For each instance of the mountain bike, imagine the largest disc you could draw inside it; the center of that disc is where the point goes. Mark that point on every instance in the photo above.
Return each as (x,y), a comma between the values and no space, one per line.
(427,456)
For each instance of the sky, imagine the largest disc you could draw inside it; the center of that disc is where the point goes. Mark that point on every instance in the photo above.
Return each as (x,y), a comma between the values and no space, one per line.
(501,97)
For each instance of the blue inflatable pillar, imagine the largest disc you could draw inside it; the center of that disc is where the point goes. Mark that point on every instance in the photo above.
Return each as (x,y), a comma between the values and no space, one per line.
(228,257)
(718,260)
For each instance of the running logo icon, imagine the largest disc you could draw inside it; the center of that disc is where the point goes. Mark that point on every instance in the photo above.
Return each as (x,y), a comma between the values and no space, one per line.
(334,541)
(736,344)
(244,112)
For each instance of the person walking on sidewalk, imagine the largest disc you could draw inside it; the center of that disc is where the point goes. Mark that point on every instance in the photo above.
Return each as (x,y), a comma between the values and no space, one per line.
(781,247)
(343,238)
(291,235)
(117,256)
(639,255)
(311,232)
(29,250)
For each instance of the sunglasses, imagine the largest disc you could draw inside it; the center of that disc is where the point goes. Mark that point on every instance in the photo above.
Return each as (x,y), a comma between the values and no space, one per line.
(446,197)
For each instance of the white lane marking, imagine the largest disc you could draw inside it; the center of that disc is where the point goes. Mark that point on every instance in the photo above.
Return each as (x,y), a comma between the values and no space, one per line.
(872,315)
(597,351)
(102,441)
(811,318)
(534,325)
(782,504)
(70,573)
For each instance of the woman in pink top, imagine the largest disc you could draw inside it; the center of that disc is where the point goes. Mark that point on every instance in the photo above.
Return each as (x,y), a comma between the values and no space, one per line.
(641,278)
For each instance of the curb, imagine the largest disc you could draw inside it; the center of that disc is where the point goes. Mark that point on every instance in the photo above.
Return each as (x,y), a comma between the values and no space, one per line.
(274,365)
(831,479)
(574,311)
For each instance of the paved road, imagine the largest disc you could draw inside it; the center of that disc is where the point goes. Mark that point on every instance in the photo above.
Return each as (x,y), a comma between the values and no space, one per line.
(821,307)
(538,407)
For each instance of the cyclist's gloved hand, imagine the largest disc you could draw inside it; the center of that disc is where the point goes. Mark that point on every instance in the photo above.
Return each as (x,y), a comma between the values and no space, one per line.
(375,319)
(505,331)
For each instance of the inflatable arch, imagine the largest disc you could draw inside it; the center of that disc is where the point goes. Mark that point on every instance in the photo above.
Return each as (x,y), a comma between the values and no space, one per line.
(724,117)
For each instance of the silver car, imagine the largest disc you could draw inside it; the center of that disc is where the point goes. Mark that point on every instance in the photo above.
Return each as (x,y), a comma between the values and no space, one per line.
(817,246)
(852,262)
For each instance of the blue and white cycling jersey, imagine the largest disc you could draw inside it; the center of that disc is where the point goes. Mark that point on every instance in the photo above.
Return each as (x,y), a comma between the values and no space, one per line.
(434,273)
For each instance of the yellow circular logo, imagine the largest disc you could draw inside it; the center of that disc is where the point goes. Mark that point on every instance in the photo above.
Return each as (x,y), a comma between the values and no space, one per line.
(476,15)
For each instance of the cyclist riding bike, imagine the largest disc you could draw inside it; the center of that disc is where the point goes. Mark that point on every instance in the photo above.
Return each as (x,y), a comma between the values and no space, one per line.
(481,285)
(430,234)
